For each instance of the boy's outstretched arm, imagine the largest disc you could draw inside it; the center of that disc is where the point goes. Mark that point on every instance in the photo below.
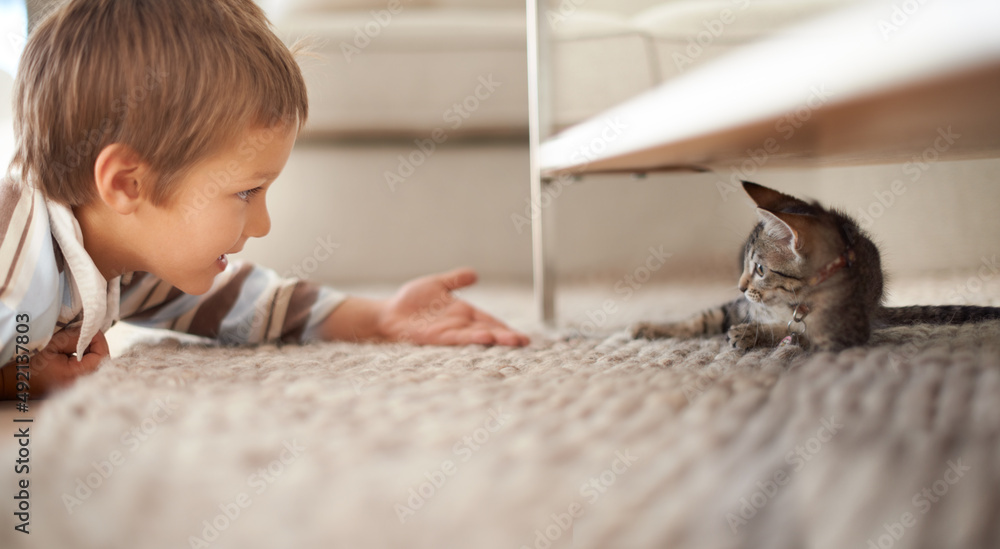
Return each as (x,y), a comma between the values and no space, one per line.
(424,311)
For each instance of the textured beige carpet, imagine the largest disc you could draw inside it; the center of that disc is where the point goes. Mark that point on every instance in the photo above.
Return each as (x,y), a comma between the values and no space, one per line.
(597,442)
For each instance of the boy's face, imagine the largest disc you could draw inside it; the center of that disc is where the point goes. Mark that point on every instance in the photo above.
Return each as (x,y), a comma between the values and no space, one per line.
(218,206)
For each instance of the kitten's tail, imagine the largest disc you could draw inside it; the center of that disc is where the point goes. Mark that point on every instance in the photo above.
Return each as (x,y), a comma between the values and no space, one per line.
(936,314)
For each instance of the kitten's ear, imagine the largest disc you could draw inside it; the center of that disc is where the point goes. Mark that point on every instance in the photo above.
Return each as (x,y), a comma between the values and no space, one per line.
(791,228)
(769,199)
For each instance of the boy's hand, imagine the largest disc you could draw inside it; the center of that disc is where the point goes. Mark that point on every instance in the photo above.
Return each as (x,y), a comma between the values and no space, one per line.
(424,311)
(56,365)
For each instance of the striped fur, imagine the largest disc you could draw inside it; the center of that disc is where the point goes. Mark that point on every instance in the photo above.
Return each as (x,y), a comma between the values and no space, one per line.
(814,263)
(935,314)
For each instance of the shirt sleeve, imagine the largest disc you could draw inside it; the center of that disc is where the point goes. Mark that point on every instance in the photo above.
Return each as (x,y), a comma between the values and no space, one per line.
(30,321)
(31,284)
(246,304)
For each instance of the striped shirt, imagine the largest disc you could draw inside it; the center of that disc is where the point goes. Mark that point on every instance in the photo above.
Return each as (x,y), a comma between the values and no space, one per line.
(49,283)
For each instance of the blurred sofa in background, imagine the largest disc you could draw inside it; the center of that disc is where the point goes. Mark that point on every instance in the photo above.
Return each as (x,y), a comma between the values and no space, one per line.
(406,67)
(391,67)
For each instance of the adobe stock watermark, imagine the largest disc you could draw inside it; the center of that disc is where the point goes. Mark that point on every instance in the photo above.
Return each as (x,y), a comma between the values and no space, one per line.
(974,284)
(785,127)
(463,450)
(915,169)
(421,319)
(900,15)
(132,440)
(713,28)
(325,247)
(454,117)
(591,491)
(258,482)
(922,501)
(768,488)
(613,129)
(372,29)
(563,11)
(625,287)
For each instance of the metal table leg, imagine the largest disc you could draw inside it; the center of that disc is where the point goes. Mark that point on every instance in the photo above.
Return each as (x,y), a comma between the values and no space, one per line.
(539,109)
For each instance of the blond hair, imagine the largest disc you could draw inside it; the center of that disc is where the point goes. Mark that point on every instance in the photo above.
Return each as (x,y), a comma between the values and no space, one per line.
(174,80)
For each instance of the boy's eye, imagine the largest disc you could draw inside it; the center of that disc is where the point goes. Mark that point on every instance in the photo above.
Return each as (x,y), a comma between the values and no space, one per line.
(245,195)
(759,269)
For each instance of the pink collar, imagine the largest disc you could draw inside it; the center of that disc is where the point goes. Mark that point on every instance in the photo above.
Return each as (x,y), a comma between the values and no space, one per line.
(845,259)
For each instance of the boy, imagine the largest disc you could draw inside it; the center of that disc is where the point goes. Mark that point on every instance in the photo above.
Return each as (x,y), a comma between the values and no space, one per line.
(148,133)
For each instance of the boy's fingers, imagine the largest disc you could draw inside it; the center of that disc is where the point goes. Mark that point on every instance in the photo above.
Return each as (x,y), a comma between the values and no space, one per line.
(476,337)
(510,338)
(96,352)
(99,345)
(458,278)
(89,363)
(64,341)
(504,335)
(513,339)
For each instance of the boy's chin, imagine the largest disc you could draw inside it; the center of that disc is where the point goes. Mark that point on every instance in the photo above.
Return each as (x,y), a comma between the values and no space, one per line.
(194,286)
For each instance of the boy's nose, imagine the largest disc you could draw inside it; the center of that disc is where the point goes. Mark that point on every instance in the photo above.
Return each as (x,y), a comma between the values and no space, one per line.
(259,223)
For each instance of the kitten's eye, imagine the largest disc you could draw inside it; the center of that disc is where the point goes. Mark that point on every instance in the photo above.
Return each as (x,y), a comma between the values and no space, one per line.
(759,269)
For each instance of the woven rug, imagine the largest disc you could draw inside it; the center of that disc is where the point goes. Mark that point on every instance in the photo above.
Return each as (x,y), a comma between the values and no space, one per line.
(584,439)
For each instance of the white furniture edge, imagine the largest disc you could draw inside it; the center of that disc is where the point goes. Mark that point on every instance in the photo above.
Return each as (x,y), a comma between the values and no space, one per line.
(846,62)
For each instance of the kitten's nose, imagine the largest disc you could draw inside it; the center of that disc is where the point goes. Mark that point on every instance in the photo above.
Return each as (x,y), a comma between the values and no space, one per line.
(743,286)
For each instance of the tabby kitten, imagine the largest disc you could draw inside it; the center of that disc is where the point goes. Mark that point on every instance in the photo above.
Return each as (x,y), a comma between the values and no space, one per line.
(811,276)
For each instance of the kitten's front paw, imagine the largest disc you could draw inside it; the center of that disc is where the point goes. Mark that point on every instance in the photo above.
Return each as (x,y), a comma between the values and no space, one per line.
(743,336)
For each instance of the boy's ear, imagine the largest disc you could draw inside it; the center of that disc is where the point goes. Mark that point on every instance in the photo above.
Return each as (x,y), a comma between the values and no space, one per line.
(120,174)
